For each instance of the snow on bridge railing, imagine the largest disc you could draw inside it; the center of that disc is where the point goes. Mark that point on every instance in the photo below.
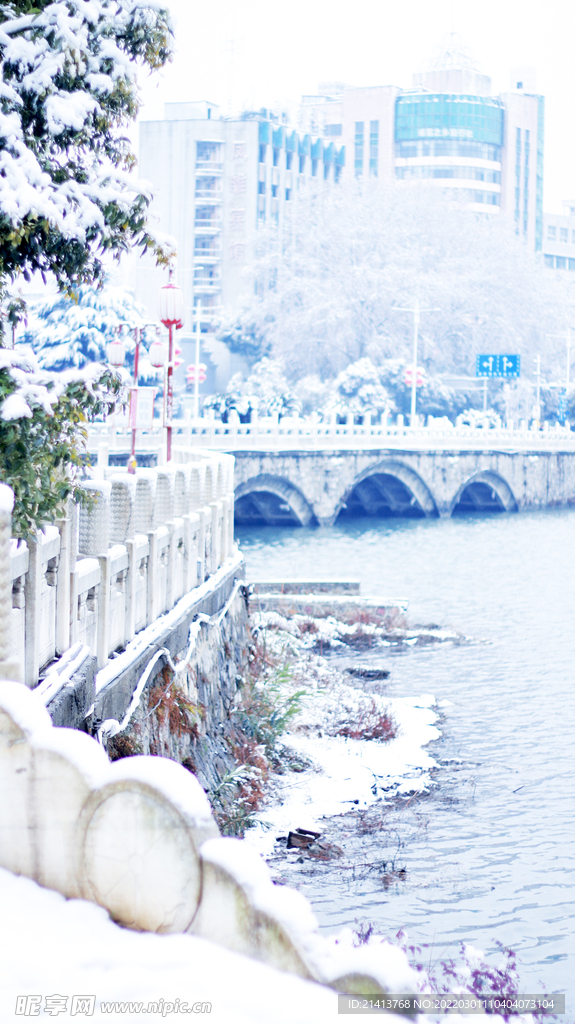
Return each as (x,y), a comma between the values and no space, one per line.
(297,433)
(88,584)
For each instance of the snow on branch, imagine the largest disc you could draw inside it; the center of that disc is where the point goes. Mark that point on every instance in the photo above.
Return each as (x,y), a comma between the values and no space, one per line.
(68,88)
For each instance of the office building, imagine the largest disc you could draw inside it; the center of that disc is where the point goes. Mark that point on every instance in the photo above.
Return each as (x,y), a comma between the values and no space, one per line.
(448,129)
(215,180)
(559,238)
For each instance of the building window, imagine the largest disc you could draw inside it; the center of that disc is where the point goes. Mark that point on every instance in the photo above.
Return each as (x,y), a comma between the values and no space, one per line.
(571,264)
(526,182)
(288,194)
(314,168)
(276,157)
(302,165)
(274,191)
(326,168)
(358,148)
(449,147)
(333,129)
(432,171)
(549,261)
(262,157)
(373,147)
(563,235)
(551,233)
(560,263)
(289,159)
(517,177)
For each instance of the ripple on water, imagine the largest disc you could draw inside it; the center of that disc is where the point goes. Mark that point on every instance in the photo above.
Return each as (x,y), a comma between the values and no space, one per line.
(499,828)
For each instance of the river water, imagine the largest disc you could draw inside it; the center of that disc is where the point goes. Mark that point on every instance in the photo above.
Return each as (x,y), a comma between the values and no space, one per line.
(496,858)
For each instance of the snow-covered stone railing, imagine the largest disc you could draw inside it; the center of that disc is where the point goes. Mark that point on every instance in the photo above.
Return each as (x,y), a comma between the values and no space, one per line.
(137,837)
(308,434)
(89,583)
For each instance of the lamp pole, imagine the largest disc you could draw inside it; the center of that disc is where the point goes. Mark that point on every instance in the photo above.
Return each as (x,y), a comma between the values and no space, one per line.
(138,332)
(172,316)
(416,322)
(198,313)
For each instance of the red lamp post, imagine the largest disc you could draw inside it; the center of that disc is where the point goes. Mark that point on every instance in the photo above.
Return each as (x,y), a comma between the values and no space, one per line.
(172,316)
(139,332)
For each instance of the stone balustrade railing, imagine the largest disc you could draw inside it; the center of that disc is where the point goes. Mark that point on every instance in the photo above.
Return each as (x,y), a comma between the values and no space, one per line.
(298,433)
(92,581)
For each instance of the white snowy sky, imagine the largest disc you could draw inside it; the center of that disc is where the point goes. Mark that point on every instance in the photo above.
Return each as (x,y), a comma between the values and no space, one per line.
(253,53)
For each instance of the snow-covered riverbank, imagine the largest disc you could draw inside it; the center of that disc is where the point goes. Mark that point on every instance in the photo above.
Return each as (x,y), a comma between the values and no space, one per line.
(352,745)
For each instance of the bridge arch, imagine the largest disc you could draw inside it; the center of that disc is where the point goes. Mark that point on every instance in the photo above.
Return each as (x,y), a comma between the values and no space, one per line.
(484,491)
(388,488)
(272,500)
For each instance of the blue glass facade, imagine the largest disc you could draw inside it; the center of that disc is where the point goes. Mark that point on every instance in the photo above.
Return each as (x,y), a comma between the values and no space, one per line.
(440,115)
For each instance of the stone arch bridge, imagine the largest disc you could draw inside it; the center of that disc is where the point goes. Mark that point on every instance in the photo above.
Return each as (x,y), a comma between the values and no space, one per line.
(308,487)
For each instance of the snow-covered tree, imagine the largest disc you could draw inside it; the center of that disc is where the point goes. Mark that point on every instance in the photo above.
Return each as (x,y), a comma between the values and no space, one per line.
(358,390)
(70,331)
(265,389)
(68,89)
(337,285)
(43,433)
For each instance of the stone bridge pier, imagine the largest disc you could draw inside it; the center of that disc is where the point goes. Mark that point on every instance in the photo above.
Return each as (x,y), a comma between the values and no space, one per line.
(309,487)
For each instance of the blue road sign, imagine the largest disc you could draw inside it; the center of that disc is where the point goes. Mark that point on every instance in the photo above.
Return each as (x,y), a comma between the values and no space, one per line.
(497,366)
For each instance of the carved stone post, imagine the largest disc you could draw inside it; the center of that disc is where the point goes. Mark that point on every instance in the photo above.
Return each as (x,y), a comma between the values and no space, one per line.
(10,667)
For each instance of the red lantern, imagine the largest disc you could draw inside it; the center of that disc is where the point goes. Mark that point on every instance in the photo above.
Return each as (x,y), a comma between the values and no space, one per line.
(158,353)
(116,352)
(171,305)
(408,377)
(191,373)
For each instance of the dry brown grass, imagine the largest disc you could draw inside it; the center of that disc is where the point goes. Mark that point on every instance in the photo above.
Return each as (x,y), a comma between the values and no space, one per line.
(372,723)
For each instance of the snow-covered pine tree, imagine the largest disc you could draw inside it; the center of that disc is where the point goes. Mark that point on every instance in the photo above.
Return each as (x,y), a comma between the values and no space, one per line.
(68,90)
(71,331)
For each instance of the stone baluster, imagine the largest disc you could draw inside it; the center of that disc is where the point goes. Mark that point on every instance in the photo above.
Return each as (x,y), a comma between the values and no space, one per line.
(10,667)
(122,501)
(146,480)
(233,422)
(94,541)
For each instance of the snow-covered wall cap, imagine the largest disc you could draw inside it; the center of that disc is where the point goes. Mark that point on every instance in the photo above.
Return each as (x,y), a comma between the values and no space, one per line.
(165,776)
(6,499)
(98,486)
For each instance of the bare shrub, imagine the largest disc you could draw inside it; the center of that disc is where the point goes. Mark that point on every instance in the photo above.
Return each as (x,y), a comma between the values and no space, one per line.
(372,723)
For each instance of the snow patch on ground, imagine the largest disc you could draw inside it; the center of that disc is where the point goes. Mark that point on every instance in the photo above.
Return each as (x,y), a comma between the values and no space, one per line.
(51,945)
(347,773)
(343,772)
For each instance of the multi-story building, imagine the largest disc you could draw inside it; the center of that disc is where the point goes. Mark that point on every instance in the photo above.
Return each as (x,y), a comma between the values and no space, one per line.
(559,238)
(215,180)
(451,130)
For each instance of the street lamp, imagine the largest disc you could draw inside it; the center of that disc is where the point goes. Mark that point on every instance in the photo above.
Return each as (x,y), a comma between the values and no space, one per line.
(414,369)
(116,352)
(172,316)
